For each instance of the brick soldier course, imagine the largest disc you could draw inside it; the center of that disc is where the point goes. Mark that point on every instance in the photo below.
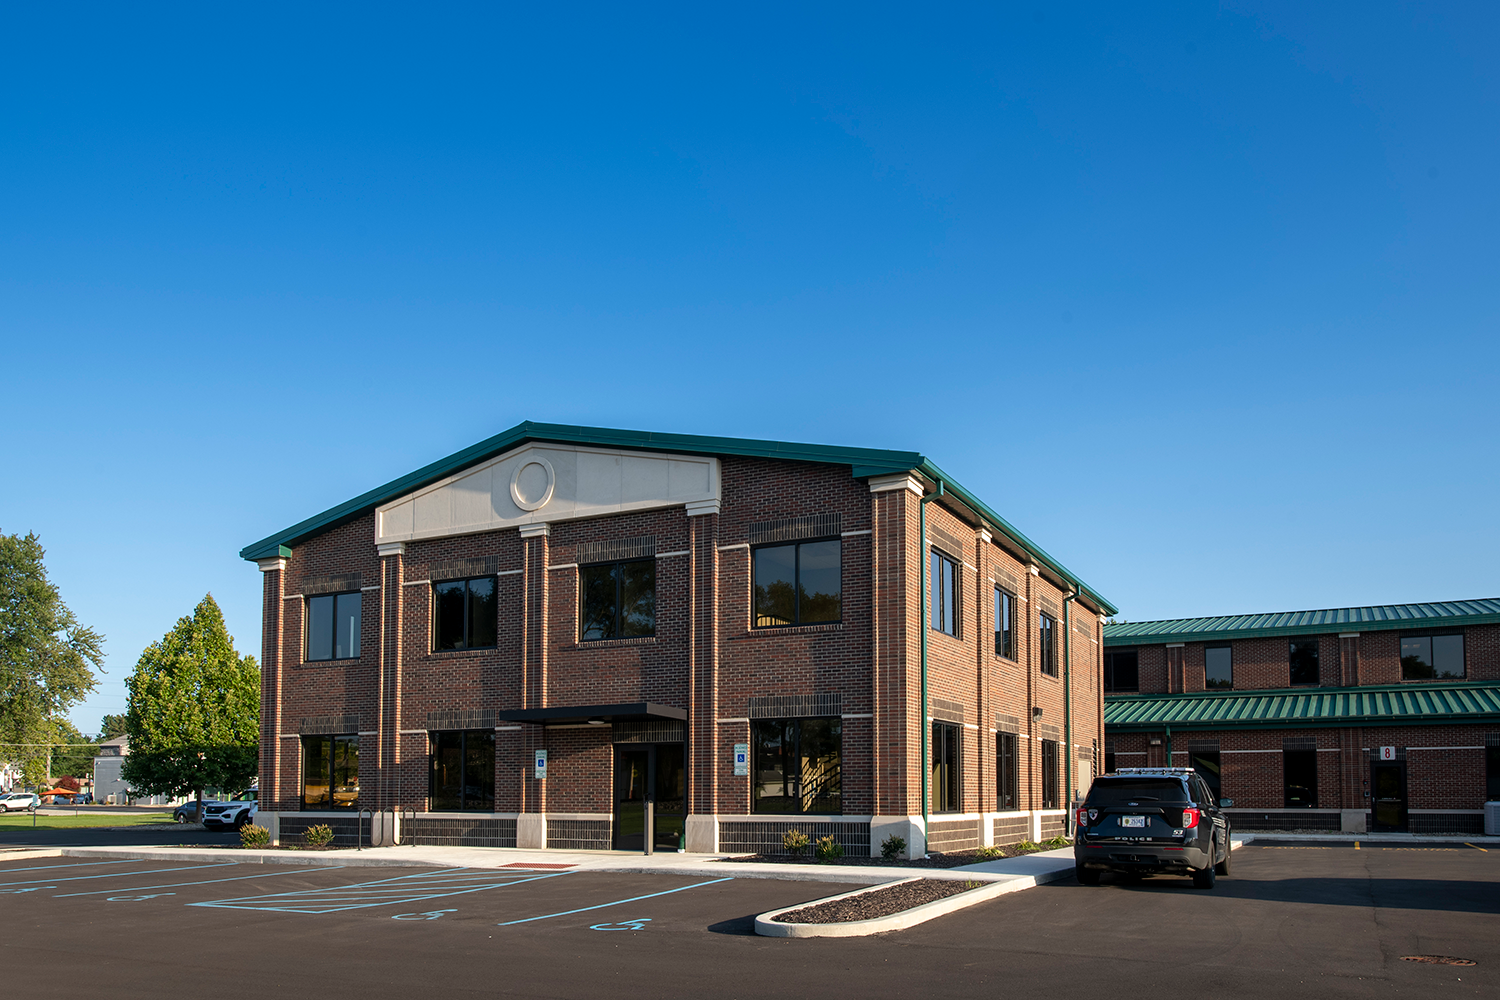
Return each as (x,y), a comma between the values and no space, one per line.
(829,706)
(1351,719)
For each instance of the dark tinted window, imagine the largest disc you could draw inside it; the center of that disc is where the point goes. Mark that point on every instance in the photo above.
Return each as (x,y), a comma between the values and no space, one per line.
(945,578)
(463,771)
(617,600)
(333,622)
(1218,667)
(1005,624)
(1049,774)
(798,765)
(1492,774)
(1005,771)
(800,584)
(1432,657)
(464,614)
(1304,661)
(947,786)
(1118,791)
(1047,643)
(1299,769)
(1122,670)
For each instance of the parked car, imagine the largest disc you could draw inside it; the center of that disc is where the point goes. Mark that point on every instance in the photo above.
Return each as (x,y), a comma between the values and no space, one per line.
(233,814)
(188,811)
(1151,821)
(19,801)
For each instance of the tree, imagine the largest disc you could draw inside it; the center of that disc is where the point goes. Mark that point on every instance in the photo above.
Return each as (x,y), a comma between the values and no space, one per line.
(193,710)
(111,726)
(45,656)
(73,753)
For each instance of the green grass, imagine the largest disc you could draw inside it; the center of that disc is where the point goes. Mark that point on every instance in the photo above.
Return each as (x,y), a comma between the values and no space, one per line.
(83,819)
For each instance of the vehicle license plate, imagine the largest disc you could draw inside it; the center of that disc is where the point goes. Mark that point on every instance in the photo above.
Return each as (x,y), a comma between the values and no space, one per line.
(1139,821)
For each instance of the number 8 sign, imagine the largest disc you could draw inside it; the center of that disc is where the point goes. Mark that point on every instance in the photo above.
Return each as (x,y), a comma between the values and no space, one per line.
(1387,753)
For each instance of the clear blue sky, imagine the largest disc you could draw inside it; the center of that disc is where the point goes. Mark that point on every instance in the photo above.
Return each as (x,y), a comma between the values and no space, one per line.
(1202,297)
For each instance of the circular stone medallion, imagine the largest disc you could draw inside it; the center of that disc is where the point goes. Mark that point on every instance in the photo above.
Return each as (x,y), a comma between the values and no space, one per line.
(532,483)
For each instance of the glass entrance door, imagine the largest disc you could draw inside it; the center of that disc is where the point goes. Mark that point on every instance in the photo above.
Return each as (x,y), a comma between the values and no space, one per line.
(653,772)
(1389,784)
(632,778)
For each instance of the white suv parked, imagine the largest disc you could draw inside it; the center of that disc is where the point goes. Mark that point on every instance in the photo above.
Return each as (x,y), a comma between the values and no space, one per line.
(19,801)
(234,813)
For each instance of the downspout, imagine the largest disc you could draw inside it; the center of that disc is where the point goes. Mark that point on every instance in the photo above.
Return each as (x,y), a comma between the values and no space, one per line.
(1070,757)
(926,563)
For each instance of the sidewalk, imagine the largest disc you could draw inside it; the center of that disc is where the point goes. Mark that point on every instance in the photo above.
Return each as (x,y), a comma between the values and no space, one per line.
(1046,866)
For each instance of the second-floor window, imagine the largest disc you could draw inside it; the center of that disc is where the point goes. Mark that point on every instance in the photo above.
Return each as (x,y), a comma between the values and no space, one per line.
(1303,657)
(617,600)
(464,614)
(798,584)
(333,626)
(1432,657)
(1005,624)
(1218,668)
(945,579)
(1047,642)
(1122,670)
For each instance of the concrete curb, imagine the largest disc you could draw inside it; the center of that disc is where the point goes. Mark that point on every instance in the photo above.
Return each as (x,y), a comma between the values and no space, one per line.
(21,853)
(767,925)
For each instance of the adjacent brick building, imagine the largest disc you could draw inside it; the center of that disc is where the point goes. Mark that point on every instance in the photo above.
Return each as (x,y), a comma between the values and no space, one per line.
(1383,718)
(527,642)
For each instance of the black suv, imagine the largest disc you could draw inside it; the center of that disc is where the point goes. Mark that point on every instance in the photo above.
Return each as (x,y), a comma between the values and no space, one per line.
(1150,821)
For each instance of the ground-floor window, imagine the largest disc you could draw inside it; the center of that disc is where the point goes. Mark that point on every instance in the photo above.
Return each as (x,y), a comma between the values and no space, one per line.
(1005,771)
(463,770)
(1206,763)
(947,794)
(1109,762)
(1492,773)
(1299,770)
(330,772)
(798,765)
(1049,774)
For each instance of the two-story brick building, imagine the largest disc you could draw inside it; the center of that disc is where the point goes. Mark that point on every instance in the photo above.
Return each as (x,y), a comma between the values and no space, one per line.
(1383,718)
(525,643)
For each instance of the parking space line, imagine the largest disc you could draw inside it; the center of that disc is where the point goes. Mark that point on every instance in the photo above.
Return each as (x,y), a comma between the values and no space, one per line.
(1476,847)
(382,892)
(159,871)
(632,899)
(208,881)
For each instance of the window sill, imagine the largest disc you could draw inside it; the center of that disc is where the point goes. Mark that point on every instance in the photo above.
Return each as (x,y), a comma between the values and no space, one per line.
(351,661)
(633,640)
(765,633)
(1005,660)
(458,654)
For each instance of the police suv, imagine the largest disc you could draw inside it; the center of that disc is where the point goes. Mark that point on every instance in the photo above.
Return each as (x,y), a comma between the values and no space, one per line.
(1151,821)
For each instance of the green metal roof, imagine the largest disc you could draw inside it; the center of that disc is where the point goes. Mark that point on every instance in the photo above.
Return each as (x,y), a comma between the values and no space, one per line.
(864,462)
(1387,704)
(1483,611)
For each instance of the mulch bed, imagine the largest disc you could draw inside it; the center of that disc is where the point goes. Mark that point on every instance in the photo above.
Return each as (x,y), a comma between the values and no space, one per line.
(952,859)
(878,902)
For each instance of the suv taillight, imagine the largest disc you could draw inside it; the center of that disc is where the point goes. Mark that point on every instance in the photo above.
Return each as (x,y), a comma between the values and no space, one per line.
(1083,817)
(1190,818)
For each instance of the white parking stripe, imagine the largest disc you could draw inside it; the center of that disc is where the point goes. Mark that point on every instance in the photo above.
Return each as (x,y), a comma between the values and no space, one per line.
(79,878)
(81,864)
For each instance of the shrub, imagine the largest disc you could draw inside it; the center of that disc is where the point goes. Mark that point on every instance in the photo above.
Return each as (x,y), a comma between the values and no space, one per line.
(318,836)
(990,853)
(892,847)
(795,842)
(254,836)
(1028,846)
(829,849)
(1056,842)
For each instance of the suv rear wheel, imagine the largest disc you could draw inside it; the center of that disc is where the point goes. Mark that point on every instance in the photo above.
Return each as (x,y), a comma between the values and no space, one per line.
(1222,868)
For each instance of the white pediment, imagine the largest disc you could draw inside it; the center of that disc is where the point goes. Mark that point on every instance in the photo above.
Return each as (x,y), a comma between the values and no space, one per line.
(546,483)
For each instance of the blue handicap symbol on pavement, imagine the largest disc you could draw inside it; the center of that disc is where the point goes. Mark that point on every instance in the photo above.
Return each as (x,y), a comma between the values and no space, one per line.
(425,915)
(638,924)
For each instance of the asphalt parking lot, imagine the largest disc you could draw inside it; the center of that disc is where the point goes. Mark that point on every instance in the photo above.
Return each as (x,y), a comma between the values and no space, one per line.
(1296,920)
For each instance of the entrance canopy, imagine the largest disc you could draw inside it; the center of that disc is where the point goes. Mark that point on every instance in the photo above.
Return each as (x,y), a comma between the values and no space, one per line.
(636,711)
